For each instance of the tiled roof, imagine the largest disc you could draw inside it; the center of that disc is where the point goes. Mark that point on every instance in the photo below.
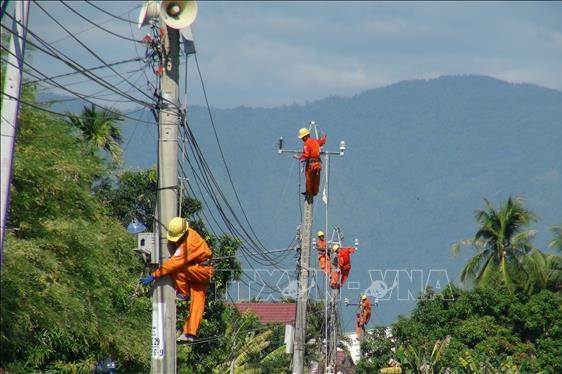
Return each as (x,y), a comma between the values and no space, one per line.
(270,312)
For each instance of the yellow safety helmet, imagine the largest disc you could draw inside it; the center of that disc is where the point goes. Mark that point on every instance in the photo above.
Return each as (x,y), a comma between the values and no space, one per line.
(363,297)
(320,233)
(335,247)
(176,228)
(303,132)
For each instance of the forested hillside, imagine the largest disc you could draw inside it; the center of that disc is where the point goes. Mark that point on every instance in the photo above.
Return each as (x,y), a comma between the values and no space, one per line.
(420,157)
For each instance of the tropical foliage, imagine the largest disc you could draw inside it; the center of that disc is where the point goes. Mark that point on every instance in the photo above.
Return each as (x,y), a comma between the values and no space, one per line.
(504,251)
(99,129)
(481,330)
(556,243)
(69,274)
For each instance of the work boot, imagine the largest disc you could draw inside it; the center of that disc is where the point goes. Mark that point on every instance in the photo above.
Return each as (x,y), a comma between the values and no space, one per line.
(185,338)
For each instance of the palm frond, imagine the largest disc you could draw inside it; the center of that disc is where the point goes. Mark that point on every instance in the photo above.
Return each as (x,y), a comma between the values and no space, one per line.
(556,243)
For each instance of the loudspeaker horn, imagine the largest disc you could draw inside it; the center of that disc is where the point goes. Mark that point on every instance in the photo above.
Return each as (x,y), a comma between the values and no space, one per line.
(179,13)
(150,10)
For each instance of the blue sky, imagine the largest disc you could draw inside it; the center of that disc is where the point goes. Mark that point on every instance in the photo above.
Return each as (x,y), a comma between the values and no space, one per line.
(264,54)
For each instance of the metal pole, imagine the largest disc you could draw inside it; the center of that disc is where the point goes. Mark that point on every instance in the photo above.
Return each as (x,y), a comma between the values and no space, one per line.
(163,298)
(302,300)
(10,106)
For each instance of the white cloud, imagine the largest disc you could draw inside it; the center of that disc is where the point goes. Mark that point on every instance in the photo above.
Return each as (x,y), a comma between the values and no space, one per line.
(263,53)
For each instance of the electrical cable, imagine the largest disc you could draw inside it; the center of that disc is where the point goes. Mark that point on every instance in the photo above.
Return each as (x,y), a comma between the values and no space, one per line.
(90,28)
(220,148)
(113,15)
(97,25)
(36,106)
(72,92)
(73,64)
(134,59)
(84,45)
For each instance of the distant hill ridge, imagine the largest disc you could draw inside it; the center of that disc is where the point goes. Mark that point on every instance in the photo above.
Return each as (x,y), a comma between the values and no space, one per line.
(421,156)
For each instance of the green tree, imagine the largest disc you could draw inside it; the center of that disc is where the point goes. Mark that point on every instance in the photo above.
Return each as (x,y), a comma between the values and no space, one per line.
(68,274)
(100,129)
(556,242)
(488,329)
(377,350)
(503,248)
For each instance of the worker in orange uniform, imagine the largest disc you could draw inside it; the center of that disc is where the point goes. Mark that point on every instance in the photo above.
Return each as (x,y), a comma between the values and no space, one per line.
(323,257)
(311,155)
(363,315)
(343,262)
(190,270)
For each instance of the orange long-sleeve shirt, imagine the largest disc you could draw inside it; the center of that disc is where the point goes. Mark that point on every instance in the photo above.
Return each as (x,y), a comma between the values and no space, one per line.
(192,250)
(365,313)
(343,256)
(321,246)
(311,148)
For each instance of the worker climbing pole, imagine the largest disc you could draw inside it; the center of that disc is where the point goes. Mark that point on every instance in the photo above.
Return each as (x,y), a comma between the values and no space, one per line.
(168,20)
(363,316)
(341,267)
(311,158)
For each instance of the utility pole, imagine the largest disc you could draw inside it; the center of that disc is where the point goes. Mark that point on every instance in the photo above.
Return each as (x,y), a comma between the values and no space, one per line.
(304,266)
(302,299)
(164,295)
(174,17)
(10,106)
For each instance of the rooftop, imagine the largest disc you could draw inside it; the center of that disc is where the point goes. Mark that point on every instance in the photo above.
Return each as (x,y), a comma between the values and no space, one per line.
(270,312)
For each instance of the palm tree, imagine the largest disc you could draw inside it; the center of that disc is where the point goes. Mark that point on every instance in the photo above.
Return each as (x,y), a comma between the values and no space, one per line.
(100,128)
(556,243)
(504,248)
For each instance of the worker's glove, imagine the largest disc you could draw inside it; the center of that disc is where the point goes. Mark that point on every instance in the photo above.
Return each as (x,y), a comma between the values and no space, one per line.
(147,280)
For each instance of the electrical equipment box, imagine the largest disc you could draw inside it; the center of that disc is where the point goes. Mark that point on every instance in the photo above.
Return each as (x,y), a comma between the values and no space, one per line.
(148,247)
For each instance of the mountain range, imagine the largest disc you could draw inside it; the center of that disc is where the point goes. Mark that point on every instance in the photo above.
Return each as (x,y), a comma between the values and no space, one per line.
(421,156)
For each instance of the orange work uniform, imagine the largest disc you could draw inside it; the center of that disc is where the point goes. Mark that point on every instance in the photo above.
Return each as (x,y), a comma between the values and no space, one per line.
(323,259)
(344,264)
(363,316)
(190,277)
(311,154)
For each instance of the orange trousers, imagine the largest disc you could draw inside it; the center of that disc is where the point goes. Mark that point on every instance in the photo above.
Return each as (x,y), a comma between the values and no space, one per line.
(325,264)
(193,283)
(312,174)
(362,321)
(339,277)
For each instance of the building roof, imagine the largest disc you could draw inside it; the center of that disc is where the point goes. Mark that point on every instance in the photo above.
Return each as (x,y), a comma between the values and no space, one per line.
(270,312)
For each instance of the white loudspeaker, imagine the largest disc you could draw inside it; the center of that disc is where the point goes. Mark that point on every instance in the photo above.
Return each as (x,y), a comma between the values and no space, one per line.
(179,13)
(150,10)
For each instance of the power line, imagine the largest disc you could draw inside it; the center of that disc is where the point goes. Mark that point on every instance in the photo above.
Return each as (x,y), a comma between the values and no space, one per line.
(134,59)
(84,45)
(36,106)
(98,26)
(76,66)
(90,28)
(114,16)
(75,93)
(220,148)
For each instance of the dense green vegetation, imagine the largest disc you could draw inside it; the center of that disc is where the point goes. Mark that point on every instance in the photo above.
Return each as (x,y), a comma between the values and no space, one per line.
(486,328)
(510,322)
(70,296)
(69,274)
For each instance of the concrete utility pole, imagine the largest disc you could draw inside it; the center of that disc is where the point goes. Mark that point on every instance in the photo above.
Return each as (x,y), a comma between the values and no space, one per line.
(164,295)
(332,339)
(302,300)
(10,106)
(304,265)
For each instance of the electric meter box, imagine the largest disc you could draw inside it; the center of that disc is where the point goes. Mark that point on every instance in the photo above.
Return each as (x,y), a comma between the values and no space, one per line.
(148,244)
